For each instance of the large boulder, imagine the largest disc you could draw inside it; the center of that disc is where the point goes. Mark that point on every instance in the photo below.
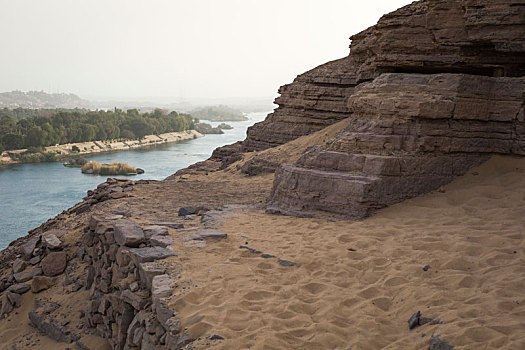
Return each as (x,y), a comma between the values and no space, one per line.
(54,263)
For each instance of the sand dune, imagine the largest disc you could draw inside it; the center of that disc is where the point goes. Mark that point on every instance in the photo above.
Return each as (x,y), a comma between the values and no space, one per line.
(471,235)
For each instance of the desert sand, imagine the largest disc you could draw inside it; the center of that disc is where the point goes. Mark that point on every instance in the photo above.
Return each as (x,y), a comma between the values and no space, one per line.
(358,282)
(470,234)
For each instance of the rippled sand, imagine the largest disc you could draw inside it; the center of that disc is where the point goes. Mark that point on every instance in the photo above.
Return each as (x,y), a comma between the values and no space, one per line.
(471,235)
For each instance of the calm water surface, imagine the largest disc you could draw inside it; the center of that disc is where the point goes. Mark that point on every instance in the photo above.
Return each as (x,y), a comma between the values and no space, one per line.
(32,193)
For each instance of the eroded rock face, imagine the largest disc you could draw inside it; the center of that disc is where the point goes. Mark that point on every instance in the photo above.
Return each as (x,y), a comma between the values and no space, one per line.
(433,36)
(410,134)
(315,100)
(432,90)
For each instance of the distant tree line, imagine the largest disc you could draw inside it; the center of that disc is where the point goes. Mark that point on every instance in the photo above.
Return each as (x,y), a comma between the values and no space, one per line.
(69,126)
(21,113)
(219,113)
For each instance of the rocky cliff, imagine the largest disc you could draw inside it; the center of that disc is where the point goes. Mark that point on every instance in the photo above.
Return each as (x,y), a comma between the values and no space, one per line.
(409,134)
(430,91)
(430,36)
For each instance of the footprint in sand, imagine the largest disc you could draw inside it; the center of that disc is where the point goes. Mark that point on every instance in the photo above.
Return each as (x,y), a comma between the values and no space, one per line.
(257,295)
(395,281)
(382,303)
(314,288)
(369,293)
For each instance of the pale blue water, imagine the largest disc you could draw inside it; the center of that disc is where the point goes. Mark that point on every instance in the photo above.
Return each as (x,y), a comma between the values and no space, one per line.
(32,193)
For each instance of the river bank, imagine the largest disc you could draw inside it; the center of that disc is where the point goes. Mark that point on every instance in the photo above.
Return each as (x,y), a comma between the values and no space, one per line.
(92,147)
(50,187)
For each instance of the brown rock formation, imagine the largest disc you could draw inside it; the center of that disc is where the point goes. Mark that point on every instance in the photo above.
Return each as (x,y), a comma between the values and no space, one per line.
(429,36)
(315,100)
(410,134)
(431,90)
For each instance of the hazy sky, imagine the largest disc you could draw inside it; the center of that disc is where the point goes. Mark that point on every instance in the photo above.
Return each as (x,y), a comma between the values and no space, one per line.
(174,48)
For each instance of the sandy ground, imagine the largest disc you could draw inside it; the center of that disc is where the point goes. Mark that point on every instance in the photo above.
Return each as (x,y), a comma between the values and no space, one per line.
(358,283)
(472,236)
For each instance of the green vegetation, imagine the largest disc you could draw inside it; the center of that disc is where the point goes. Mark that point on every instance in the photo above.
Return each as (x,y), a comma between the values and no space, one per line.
(218,114)
(70,126)
(18,114)
(34,157)
(108,169)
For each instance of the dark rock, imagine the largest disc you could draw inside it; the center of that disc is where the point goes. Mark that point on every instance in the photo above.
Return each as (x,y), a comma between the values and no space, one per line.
(161,288)
(426,267)
(183,340)
(28,247)
(161,241)
(19,265)
(288,263)
(211,234)
(174,225)
(54,263)
(50,328)
(90,277)
(184,211)
(35,260)
(128,233)
(147,254)
(122,211)
(51,241)
(19,288)
(27,275)
(136,300)
(257,166)
(8,302)
(82,346)
(147,271)
(118,195)
(267,256)
(251,250)
(413,322)
(439,344)
(83,208)
(216,337)
(124,321)
(153,230)
(140,171)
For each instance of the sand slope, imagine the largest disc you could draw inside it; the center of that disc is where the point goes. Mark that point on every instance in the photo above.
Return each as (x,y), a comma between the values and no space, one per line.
(471,236)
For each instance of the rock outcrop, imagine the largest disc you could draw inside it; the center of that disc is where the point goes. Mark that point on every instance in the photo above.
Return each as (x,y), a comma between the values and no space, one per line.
(410,134)
(429,36)
(432,90)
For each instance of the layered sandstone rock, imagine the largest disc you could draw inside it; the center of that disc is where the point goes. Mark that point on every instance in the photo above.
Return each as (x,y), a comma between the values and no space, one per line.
(432,36)
(432,90)
(410,134)
(315,100)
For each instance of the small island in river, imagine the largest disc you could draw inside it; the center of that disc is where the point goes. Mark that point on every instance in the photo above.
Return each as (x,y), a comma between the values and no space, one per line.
(110,169)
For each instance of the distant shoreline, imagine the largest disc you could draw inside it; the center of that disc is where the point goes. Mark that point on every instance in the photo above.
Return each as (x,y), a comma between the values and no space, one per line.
(93,147)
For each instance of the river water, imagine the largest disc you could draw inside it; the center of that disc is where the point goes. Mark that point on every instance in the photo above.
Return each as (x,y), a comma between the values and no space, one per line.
(32,193)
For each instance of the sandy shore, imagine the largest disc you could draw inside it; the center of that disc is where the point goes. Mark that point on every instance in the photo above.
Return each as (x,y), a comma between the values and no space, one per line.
(109,146)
